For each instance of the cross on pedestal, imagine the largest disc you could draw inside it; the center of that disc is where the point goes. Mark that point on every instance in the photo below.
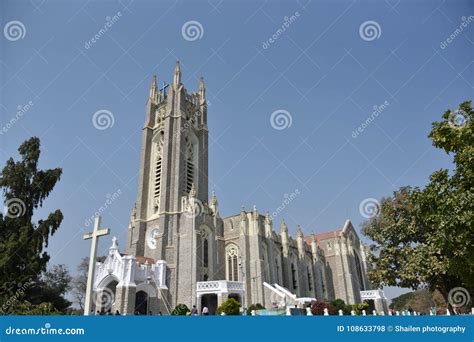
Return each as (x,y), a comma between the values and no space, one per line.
(94,235)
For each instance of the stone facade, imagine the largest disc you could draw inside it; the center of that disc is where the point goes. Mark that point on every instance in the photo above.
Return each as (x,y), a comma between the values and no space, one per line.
(209,258)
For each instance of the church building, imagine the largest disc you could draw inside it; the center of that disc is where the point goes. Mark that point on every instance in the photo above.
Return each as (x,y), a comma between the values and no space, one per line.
(180,250)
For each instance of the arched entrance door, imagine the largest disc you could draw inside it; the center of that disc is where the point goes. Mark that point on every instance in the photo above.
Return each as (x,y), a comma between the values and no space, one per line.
(210,301)
(106,300)
(141,303)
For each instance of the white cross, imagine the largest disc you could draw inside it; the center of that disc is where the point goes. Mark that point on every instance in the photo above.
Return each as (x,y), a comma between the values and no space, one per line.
(94,235)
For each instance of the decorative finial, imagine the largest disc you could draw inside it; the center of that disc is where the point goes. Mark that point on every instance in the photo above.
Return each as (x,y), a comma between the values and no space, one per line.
(114,243)
(283,226)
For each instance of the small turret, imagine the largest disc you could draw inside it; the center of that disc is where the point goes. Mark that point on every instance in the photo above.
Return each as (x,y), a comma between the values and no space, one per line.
(300,241)
(314,247)
(284,237)
(177,75)
(202,91)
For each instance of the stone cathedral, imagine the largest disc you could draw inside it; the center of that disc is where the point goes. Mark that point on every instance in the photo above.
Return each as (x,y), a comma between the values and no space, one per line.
(180,250)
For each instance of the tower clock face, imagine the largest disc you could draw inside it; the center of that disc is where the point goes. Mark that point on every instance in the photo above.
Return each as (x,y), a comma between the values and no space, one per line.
(152,236)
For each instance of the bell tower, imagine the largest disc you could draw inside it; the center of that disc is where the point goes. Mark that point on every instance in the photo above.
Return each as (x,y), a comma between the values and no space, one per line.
(173,163)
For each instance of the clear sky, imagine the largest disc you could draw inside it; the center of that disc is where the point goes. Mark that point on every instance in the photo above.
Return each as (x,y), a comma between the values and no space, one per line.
(323,72)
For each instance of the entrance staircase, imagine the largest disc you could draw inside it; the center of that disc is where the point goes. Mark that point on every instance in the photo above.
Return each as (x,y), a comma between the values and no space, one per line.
(285,296)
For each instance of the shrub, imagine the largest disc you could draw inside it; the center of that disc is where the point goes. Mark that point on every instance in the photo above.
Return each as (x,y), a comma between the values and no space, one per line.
(230,307)
(26,308)
(180,310)
(359,307)
(257,306)
(317,308)
(339,304)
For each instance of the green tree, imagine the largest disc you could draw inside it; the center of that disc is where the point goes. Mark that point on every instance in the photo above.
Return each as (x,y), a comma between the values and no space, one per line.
(79,282)
(180,310)
(51,287)
(230,307)
(424,238)
(22,241)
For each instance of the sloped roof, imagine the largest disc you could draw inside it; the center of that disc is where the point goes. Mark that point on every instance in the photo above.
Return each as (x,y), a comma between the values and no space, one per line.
(143,260)
(323,236)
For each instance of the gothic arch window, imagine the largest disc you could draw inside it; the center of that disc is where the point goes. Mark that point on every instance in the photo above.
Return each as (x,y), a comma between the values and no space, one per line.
(190,169)
(205,252)
(277,268)
(359,272)
(157,173)
(323,280)
(310,280)
(232,263)
(293,276)
(266,265)
(204,247)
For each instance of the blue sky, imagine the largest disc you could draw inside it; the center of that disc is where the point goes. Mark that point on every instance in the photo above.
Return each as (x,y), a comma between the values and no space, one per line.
(321,70)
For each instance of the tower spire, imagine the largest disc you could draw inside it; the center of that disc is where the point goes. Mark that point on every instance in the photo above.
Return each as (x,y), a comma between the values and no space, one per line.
(202,90)
(153,87)
(177,74)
